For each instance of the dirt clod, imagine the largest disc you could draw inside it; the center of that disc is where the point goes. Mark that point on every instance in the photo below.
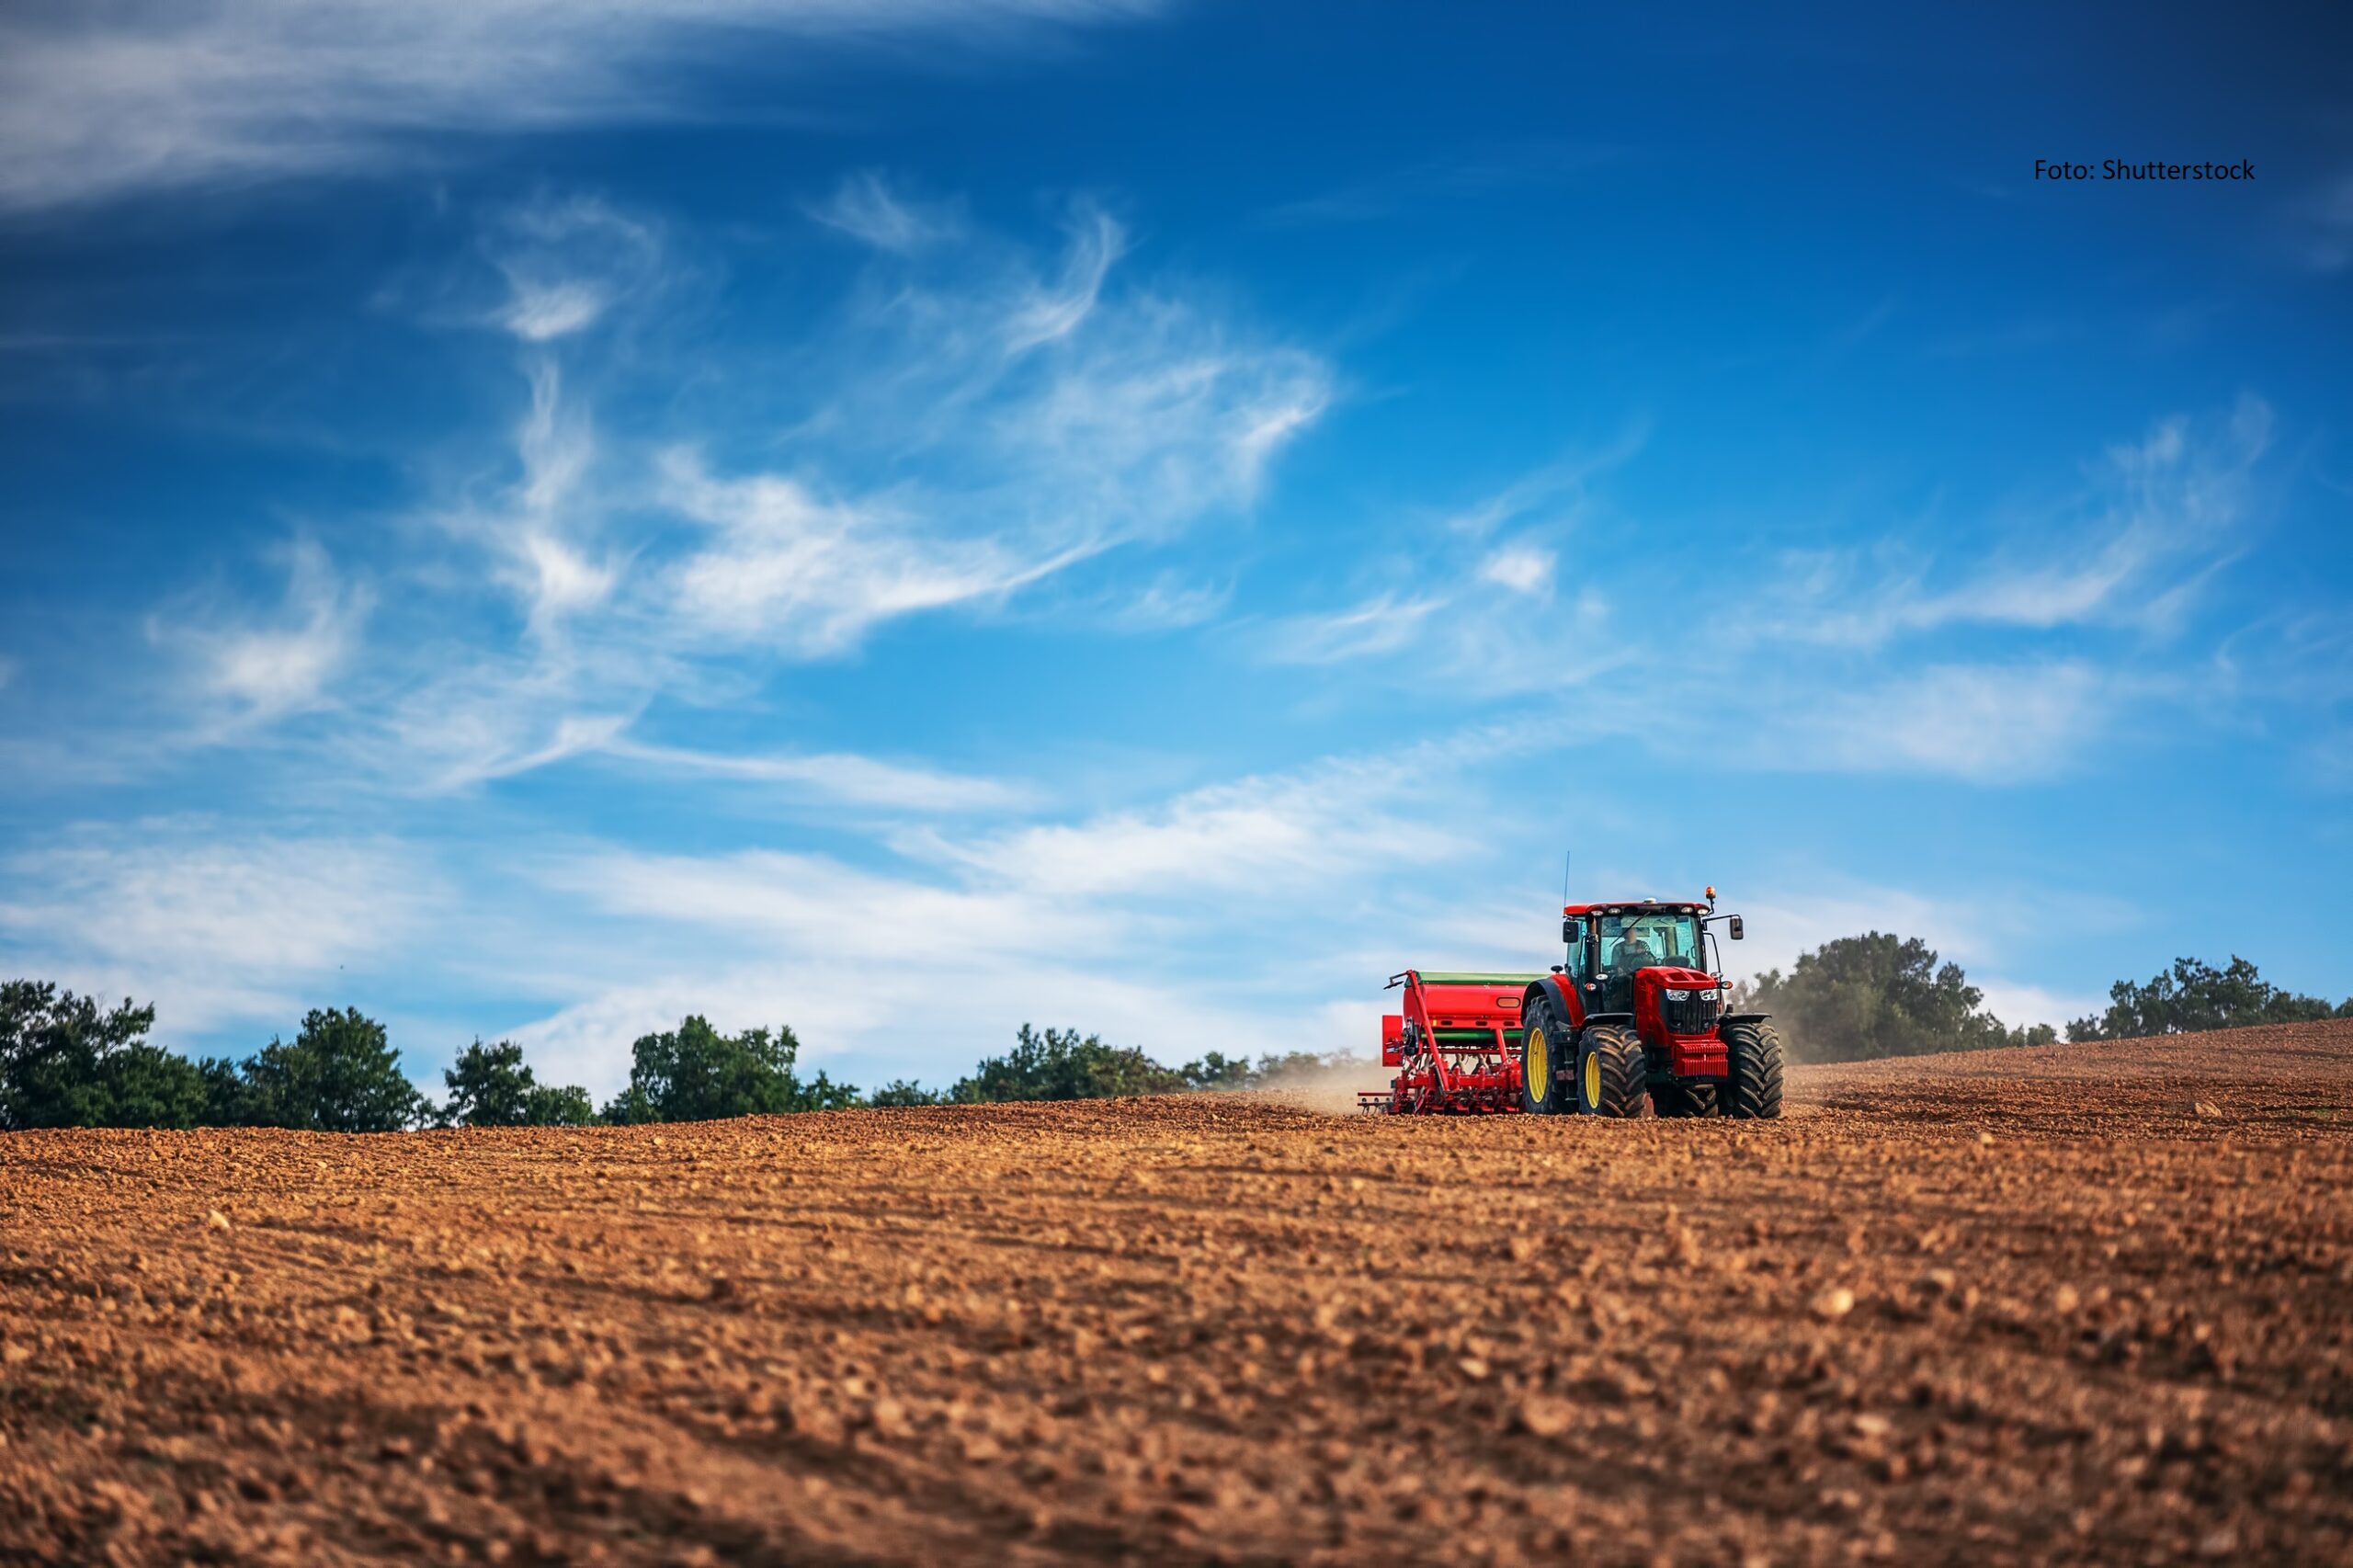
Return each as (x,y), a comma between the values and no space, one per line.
(1832,1303)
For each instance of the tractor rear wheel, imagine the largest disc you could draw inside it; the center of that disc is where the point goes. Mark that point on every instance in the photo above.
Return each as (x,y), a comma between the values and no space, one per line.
(1753,1089)
(1613,1074)
(1540,1050)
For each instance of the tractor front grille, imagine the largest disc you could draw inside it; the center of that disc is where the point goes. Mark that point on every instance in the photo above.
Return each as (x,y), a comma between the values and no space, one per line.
(1694,1012)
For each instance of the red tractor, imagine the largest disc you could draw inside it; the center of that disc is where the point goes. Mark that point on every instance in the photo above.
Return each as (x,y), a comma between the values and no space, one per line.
(1633,1024)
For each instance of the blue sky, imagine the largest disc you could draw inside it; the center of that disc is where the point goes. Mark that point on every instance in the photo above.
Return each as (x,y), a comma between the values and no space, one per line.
(902,518)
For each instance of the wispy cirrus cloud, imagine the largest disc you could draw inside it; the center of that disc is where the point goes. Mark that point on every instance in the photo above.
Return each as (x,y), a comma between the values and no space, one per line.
(1442,615)
(261,668)
(2005,723)
(1297,831)
(2153,519)
(566,262)
(1030,416)
(973,420)
(868,208)
(780,565)
(1385,623)
(861,780)
(140,97)
(1107,917)
(222,925)
(2127,551)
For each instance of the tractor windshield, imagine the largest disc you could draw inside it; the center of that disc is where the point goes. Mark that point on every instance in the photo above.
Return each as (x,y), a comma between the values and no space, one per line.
(1630,942)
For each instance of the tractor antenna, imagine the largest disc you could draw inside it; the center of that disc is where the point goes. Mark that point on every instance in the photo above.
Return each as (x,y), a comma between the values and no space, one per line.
(1566,856)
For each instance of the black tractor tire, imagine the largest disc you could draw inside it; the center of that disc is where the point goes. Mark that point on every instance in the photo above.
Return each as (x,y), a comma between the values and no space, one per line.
(1548,1037)
(1686,1100)
(1753,1089)
(1613,1073)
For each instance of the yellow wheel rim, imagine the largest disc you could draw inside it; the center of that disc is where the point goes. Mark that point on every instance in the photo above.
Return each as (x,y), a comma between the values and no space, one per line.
(1592,1079)
(1538,1067)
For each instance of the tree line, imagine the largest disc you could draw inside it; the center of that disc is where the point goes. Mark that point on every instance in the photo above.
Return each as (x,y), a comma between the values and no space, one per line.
(67,1062)
(1880,995)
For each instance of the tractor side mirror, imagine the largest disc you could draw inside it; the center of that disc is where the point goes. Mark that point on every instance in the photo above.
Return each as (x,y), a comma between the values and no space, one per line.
(1569,931)
(1735,928)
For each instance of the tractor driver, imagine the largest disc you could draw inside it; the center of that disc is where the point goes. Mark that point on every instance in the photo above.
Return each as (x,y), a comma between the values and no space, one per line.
(1635,954)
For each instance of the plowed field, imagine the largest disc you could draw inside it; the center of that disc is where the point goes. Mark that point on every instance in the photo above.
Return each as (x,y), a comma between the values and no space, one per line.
(2014,1305)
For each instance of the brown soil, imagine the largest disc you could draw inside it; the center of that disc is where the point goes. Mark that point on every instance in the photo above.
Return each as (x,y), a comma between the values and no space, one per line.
(2014,1305)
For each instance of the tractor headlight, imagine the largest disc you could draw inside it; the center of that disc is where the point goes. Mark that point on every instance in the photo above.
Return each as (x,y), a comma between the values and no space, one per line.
(1678,996)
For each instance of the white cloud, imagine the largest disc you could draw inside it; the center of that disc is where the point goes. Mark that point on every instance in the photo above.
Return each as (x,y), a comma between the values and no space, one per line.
(2023,1006)
(865,208)
(554,308)
(943,472)
(1051,311)
(858,781)
(2130,551)
(1459,636)
(1989,724)
(468,720)
(213,925)
(1030,419)
(2154,521)
(1168,602)
(147,95)
(567,262)
(1268,835)
(1523,569)
(284,666)
(1558,492)
(786,569)
(1107,919)
(544,529)
(1434,622)
(1382,624)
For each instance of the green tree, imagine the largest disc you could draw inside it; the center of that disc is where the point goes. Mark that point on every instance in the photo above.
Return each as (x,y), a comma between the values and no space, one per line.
(490,1085)
(631,1108)
(696,1073)
(1215,1070)
(2194,997)
(1061,1064)
(340,1074)
(228,1098)
(1878,995)
(66,1063)
(906,1092)
(559,1104)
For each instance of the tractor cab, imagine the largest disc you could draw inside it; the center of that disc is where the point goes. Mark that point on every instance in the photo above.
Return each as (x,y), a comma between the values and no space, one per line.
(1611,944)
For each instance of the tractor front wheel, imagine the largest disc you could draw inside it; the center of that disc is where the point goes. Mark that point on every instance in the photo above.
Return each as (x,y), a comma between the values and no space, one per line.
(1613,1076)
(1754,1053)
(1686,1100)
(1541,1050)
